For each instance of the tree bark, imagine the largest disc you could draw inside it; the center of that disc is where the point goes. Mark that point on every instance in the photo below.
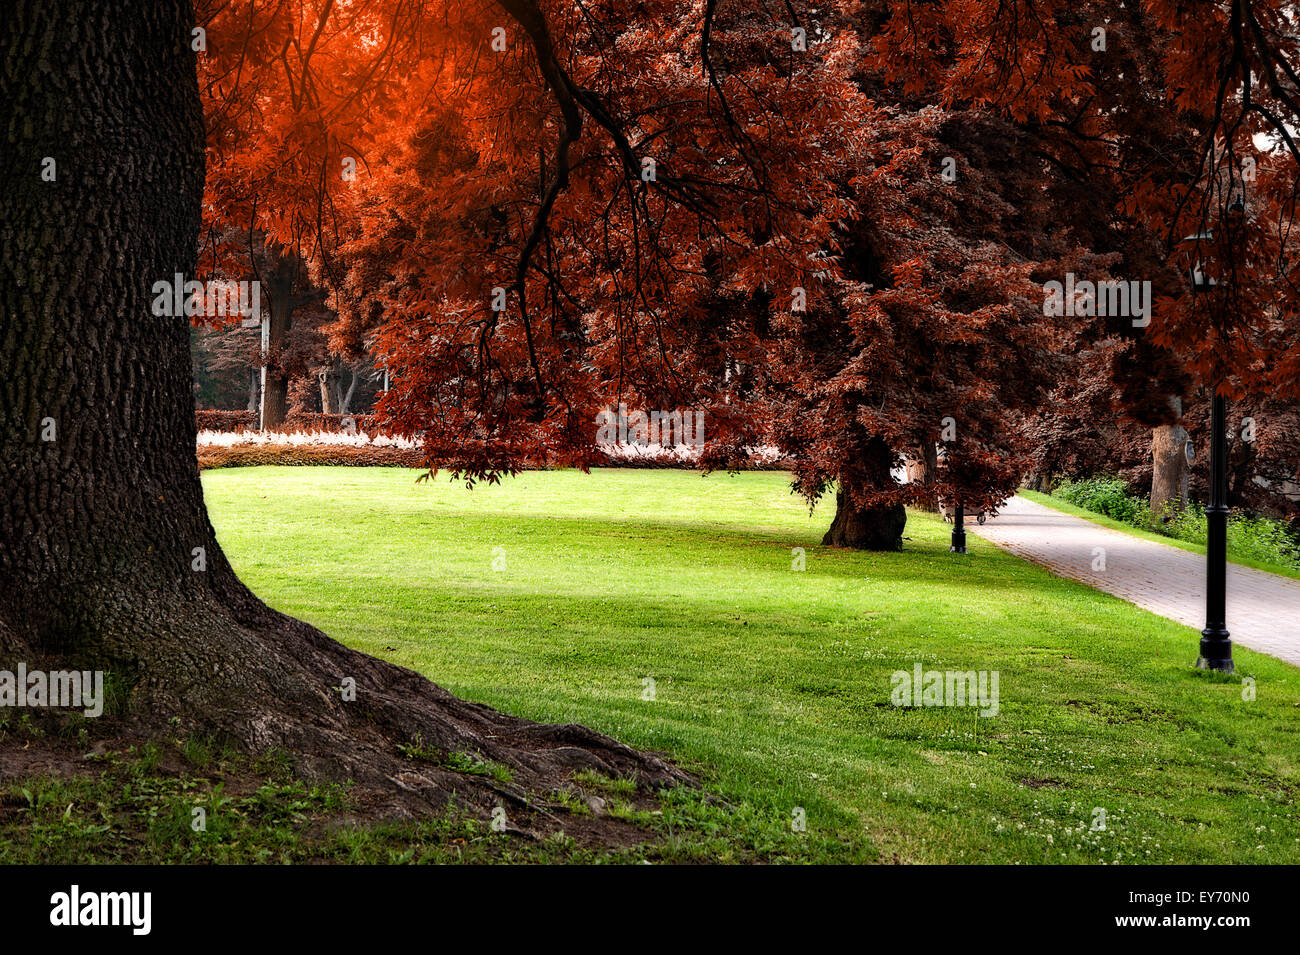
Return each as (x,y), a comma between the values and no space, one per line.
(921,472)
(107,558)
(333,399)
(1169,466)
(867,528)
(254,391)
(330,390)
(345,406)
(275,402)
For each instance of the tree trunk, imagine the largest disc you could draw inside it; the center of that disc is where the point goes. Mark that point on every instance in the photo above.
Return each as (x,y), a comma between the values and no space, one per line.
(345,406)
(867,528)
(330,378)
(254,391)
(921,472)
(1039,482)
(1169,466)
(275,402)
(107,558)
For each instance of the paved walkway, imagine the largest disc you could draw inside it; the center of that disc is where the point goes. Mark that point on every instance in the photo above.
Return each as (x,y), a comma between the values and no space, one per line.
(1263,608)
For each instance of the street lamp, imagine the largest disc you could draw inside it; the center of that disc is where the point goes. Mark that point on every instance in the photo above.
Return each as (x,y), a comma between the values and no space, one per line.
(1216,645)
(958,544)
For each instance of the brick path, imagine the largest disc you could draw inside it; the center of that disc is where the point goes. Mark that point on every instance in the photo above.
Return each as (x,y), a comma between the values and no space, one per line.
(1263,608)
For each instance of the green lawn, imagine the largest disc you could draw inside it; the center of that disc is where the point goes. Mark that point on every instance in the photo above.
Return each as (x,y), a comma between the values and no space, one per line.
(774,684)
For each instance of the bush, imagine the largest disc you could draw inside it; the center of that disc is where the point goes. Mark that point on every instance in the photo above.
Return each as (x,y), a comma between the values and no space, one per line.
(239,421)
(228,421)
(251,455)
(299,452)
(330,423)
(1251,537)
(1109,496)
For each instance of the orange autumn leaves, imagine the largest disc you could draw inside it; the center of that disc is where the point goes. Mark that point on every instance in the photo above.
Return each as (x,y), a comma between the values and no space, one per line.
(732,223)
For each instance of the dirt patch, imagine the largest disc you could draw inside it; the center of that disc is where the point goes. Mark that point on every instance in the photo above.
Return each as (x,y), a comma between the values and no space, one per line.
(24,760)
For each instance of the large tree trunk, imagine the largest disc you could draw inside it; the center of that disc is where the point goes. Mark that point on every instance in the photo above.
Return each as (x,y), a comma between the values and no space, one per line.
(1039,482)
(921,471)
(867,528)
(1169,466)
(107,558)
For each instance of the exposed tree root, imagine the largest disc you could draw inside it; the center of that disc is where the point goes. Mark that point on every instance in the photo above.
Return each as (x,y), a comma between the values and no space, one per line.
(266,682)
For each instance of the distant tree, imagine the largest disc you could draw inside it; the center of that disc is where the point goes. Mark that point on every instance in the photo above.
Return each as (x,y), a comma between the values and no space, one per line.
(1176,119)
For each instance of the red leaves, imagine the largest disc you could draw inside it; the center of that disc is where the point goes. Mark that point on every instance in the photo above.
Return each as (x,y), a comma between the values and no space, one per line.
(830,246)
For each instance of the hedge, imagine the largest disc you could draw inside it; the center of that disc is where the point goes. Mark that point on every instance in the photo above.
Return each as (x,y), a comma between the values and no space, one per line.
(252,455)
(237,421)
(330,423)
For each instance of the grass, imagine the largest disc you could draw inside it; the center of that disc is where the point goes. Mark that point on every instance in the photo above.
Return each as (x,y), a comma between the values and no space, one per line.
(773,684)
(1234,555)
(187,802)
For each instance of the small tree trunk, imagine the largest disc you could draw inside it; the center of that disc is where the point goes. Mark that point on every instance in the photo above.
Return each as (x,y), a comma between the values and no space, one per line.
(867,528)
(330,378)
(345,406)
(1169,467)
(254,391)
(275,403)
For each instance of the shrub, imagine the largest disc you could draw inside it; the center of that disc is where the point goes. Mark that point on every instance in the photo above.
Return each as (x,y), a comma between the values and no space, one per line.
(218,449)
(233,443)
(1109,496)
(238,421)
(252,455)
(331,423)
(1249,536)
(228,421)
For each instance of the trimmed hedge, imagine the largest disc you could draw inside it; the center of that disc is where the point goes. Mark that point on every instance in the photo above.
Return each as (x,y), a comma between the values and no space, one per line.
(237,421)
(229,421)
(252,455)
(329,423)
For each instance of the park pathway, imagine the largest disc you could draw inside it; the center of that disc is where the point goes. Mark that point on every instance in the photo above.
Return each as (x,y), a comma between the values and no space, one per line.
(1263,608)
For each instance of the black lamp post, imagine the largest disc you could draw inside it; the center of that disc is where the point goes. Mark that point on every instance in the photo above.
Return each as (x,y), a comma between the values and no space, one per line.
(958,545)
(1216,646)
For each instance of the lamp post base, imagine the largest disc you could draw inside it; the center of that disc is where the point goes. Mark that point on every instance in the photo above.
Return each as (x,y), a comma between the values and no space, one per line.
(958,545)
(1216,651)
